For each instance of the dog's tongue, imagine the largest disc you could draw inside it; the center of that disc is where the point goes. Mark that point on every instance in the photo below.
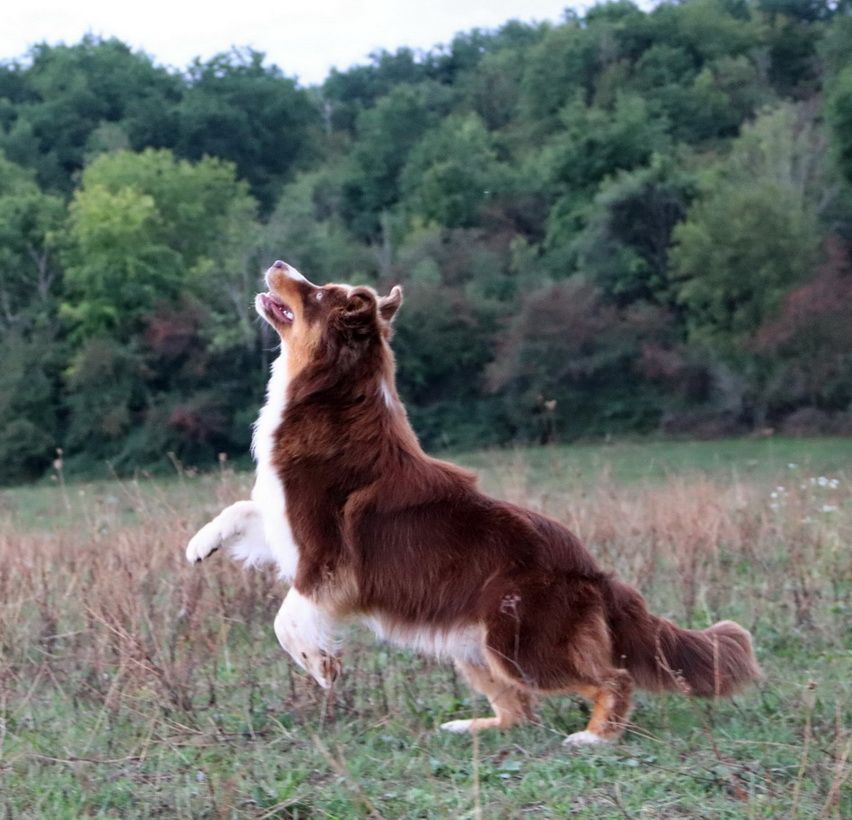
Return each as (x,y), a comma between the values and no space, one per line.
(273,305)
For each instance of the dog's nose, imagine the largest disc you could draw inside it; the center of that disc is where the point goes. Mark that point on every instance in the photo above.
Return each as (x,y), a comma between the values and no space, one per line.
(281,268)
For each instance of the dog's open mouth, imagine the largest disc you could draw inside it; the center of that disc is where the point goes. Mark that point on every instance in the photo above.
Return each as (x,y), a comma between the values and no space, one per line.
(275,309)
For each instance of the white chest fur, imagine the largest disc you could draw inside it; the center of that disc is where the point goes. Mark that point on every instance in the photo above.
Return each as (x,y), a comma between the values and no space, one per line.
(459,643)
(268,492)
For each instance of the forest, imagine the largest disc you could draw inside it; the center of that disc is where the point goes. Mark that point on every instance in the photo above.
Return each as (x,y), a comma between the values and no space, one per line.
(628,222)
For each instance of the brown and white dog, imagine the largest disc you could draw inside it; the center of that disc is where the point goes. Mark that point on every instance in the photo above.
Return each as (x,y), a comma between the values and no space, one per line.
(365,525)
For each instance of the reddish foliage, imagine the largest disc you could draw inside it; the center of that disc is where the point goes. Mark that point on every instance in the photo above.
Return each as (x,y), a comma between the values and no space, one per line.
(197,422)
(660,363)
(173,331)
(823,299)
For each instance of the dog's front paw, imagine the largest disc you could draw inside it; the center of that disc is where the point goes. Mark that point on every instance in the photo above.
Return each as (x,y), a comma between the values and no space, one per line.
(206,541)
(323,667)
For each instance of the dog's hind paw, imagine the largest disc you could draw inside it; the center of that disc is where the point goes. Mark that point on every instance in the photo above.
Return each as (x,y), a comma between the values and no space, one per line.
(457,726)
(584,738)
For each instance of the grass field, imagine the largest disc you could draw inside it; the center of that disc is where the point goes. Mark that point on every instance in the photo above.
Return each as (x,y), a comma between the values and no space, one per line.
(134,685)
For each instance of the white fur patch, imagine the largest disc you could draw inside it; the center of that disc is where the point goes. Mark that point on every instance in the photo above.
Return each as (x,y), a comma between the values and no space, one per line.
(268,492)
(458,727)
(386,394)
(239,529)
(306,632)
(583,738)
(461,643)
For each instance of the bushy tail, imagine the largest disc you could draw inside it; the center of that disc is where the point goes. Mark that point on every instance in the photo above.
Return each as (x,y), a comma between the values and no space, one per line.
(712,662)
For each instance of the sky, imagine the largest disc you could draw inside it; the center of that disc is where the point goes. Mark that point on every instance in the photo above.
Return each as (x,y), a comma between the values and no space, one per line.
(305,39)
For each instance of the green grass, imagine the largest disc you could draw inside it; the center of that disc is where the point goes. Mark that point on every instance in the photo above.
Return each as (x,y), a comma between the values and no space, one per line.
(632,461)
(132,685)
(543,469)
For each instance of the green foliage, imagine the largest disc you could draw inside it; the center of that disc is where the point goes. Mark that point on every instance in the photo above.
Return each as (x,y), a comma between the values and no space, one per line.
(240,110)
(624,248)
(728,282)
(579,381)
(30,230)
(104,391)
(144,228)
(839,114)
(386,135)
(69,91)
(307,222)
(625,213)
(593,145)
(752,233)
(452,173)
(28,417)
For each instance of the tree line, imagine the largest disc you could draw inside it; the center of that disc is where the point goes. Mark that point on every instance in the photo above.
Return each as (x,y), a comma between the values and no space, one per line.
(625,222)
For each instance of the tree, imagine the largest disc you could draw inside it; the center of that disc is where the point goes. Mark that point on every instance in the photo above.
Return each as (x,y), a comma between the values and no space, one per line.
(624,248)
(568,364)
(808,342)
(452,172)
(72,90)
(30,230)
(28,406)
(238,109)
(839,116)
(594,144)
(750,236)
(386,134)
(347,93)
(307,223)
(145,227)
(735,256)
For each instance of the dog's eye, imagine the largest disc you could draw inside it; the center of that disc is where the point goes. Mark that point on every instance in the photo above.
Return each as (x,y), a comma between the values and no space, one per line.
(320,294)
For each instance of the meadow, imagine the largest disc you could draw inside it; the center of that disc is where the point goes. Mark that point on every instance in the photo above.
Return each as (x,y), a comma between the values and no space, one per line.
(135,685)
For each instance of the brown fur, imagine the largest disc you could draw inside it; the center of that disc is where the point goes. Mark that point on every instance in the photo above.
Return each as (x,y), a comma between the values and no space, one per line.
(385,531)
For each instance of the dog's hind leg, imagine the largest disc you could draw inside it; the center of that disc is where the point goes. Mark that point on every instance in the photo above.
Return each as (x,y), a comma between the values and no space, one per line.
(561,643)
(511,704)
(610,709)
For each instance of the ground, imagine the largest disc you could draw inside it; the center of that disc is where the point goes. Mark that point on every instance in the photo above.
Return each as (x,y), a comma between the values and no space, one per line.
(134,685)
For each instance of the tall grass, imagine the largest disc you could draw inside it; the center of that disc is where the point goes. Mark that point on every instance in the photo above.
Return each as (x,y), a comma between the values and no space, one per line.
(132,683)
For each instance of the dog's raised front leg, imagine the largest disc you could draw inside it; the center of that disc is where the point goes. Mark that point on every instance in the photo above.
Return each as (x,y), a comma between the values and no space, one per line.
(238,527)
(307,633)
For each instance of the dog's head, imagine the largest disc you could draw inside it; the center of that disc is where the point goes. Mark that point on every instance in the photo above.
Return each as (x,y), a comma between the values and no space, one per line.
(332,324)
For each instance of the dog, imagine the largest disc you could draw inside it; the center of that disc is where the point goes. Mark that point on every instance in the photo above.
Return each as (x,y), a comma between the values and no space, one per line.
(365,525)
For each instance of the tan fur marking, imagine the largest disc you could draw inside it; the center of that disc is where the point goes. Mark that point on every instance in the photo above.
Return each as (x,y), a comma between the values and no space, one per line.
(302,337)
(610,705)
(511,704)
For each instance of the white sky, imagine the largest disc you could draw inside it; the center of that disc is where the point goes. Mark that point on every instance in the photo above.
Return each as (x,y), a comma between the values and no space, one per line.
(304,38)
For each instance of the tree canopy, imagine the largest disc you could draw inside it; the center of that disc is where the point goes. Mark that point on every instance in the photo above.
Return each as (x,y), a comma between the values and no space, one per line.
(628,221)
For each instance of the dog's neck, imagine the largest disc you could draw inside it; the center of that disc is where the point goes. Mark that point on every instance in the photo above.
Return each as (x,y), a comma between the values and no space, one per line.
(356,417)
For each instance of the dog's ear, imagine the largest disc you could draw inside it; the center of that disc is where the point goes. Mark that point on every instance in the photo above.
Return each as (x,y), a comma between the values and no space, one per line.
(359,313)
(389,305)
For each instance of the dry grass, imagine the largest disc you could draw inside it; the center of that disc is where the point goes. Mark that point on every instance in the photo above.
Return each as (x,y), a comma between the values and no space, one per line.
(133,684)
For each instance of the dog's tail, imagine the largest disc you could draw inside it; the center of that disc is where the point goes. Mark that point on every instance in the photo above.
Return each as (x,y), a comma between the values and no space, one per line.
(712,662)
